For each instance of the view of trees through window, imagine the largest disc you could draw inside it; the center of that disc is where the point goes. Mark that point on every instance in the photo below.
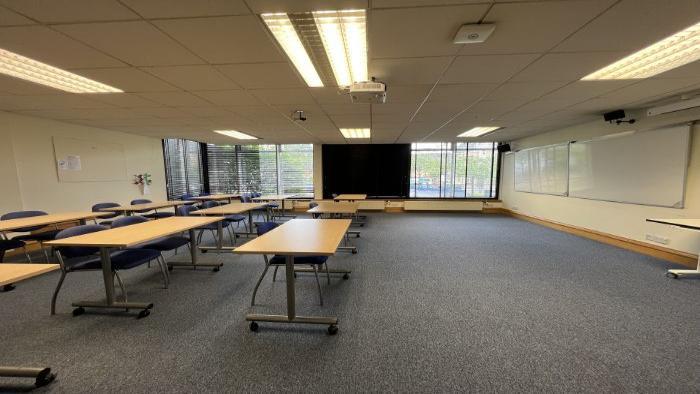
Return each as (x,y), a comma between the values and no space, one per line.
(454,170)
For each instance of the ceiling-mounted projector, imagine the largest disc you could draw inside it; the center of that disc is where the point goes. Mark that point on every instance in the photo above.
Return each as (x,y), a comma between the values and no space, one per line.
(371,92)
(474,33)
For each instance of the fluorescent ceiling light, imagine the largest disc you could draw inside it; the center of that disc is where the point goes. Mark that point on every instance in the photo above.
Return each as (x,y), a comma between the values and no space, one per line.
(236,134)
(669,53)
(478,131)
(28,69)
(284,32)
(355,133)
(344,36)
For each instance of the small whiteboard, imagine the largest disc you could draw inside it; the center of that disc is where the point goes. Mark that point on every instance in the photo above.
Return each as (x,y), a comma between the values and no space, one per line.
(542,170)
(647,168)
(89,161)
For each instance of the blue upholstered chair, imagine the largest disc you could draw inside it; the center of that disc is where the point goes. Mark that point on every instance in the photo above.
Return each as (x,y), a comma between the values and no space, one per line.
(9,244)
(39,237)
(99,208)
(213,228)
(78,258)
(277,261)
(161,245)
(229,218)
(155,214)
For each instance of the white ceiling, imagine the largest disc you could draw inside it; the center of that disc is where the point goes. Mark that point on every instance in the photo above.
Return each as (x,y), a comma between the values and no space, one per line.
(191,66)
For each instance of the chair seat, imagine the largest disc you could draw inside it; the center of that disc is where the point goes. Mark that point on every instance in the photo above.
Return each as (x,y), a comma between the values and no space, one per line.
(168,243)
(43,236)
(214,226)
(159,215)
(7,244)
(107,223)
(235,218)
(121,260)
(302,260)
(273,205)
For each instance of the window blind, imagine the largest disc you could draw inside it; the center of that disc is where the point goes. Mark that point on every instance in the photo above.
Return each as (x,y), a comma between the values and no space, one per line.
(183,167)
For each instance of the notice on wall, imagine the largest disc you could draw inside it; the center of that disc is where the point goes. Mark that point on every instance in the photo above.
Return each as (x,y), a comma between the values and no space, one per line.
(70,163)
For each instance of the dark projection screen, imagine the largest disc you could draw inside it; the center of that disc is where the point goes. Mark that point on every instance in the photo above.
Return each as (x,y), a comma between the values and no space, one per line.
(378,170)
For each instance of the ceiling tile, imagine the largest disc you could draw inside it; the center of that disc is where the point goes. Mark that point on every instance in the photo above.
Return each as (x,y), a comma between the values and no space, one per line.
(408,71)
(54,11)
(487,68)
(12,85)
(407,94)
(567,67)
(351,121)
(534,27)
(438,112)
(419,31)
(128,79)
(525,90)
(229,97)
(186,8)
(421,3)
(176,99)
(51,47)
(56,101)
(634,24)
(261,6)
(346,109)
(118,39)
(262,75)
(200,77)
(10,18)
(124,100)
(329,95)
(463,94)
(284,96)
(649,88)
(583,90)
(233,39)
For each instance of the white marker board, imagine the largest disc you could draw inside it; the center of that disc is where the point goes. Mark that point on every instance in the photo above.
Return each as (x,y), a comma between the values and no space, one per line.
(89,161)
(542,170)
(647,168)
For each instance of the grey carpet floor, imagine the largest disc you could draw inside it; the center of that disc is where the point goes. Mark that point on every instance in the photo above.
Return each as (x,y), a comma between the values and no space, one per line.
(435,303)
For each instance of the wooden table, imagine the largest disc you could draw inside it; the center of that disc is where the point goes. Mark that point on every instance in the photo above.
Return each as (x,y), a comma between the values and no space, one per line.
(224,210)
(217,197)
(297,237)
(128,236)
(338,208)
(45,220)
(277,197)
(350,197)
(690,224)
(129,210)
(11,273)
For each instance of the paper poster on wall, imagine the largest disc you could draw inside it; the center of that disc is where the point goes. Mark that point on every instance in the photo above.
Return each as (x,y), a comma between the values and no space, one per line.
(89,161)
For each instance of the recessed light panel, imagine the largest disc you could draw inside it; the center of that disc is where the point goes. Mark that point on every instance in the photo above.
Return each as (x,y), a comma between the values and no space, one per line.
(344,36)
(478,131)
(236,134)
(355,133)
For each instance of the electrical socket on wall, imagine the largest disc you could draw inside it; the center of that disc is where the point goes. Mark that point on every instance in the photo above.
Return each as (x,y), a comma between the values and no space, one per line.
(658,239)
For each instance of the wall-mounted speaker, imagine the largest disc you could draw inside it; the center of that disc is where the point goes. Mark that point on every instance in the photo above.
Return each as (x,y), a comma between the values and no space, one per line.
(503,148)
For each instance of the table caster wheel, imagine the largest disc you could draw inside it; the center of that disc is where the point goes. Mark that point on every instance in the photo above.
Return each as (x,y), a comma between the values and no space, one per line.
(346,276)
(78,311)
(254,326)
(671,275)
(295,275)
(170,268)
(332,329)
(362,225)
(204,251)
(8,287)
(143,314)
(216,269)
(354,251)
(45,377)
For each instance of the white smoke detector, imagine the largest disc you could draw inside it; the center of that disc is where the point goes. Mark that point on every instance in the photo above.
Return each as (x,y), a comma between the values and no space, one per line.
(474,33)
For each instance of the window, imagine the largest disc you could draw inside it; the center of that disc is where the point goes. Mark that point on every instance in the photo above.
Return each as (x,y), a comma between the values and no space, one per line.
(268,169)
(454,170)
(183,168)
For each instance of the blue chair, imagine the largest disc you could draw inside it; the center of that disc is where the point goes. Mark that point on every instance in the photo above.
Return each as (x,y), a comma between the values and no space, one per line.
(161,244)
(9,244)
(277,261)
(213,228)
(79,258)
(155,214)
(186,197)
(99,208)
(39,237)
(229,218)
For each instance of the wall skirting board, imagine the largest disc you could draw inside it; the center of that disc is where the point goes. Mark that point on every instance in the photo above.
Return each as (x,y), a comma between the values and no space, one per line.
(672,255)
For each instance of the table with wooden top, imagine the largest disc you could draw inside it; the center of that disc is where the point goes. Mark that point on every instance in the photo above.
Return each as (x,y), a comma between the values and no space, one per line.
(297,237)
(129,210)
(46,220)
(12,273)
(225,210)
(338,208)
(690,224)
(277,197)
(352,198)
(217,197)
(129,236)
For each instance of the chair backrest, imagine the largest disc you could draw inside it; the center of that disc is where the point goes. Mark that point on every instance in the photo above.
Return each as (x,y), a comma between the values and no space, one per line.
(246,199)
(264,227)
(185,210)
(23,214)
(78,251)
(141,201)
(186,197)
(256,194)
(313,204)
(128,221)
(210,204)
(101,205)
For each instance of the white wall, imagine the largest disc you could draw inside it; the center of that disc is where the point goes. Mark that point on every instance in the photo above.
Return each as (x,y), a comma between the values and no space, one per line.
(28,167)
(624,220)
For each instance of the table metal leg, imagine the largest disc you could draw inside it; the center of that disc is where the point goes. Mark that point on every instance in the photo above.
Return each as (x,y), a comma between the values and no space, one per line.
(291,316)
(42,376)
(682,273)
(194,264)
(110,303)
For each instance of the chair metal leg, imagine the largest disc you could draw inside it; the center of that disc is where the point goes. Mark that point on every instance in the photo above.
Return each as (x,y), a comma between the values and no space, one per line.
(29,258)
(328,274)
(46,255)
(274,274)
(318,284)
(255,291)
(121,286)
(163,270)
(55,293)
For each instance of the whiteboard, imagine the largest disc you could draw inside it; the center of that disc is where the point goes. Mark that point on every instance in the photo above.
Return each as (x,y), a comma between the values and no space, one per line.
(647,168)
(89,161)
(542,170)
